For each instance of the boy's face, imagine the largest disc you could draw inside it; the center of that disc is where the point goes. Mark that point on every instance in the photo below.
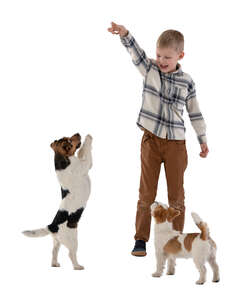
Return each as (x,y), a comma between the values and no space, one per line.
(167,59)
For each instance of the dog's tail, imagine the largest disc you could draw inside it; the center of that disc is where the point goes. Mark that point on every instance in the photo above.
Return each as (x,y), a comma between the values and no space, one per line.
(37,233)
(202,226)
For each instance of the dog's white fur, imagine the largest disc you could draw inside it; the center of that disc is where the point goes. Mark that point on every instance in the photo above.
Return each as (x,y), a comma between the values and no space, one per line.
(75,179)
(202,251)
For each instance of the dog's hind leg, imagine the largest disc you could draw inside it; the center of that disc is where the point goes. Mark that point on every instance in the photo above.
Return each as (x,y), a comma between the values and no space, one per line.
(160,263)
(68,237)
(202,270)
(72,255)
(215,268)
(72,245)
(171,266)
(56,246)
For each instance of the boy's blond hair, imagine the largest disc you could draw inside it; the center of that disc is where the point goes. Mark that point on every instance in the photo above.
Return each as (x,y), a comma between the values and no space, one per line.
(171,38)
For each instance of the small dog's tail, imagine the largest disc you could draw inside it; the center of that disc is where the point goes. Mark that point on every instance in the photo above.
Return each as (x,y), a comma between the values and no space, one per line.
(202,226)
(36,233)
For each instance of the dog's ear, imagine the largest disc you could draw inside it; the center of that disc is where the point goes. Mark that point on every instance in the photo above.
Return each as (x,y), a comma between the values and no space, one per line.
(53,145)
(160,214)
(172,214)
(77,139)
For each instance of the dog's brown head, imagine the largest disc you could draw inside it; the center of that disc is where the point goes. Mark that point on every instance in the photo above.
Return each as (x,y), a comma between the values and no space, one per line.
(67,146)
(162,213)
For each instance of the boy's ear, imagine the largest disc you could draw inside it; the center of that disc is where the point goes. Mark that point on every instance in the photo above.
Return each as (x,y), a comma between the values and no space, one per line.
(181,55)
(172,214)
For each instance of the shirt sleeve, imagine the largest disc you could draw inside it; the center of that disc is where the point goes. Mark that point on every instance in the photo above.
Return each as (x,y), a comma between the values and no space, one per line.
(195,115)
(138,56)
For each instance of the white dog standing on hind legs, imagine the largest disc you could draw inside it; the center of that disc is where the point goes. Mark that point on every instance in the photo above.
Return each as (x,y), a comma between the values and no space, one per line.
(72,173)
(171,244)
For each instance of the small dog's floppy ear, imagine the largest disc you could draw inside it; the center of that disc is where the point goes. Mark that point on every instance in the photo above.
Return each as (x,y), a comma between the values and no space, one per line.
(172,214)
(53,145)
(159,214)
(76,137)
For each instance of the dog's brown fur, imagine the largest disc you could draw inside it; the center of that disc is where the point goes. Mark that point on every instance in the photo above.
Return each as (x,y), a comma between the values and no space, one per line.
(161,215)
(173,246)
(189,240)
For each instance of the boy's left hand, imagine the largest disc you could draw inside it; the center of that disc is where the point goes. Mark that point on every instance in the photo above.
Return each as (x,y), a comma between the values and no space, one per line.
(205,150)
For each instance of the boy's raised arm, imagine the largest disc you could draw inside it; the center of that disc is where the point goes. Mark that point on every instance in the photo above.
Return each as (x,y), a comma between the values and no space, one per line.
(139,58)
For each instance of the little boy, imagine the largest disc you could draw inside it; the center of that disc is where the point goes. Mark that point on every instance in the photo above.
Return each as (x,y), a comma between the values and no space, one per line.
(167,89)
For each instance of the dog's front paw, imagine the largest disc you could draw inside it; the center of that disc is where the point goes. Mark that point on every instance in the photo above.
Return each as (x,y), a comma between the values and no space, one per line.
(88,138)
(170,272)
(78,267)
(156,274)
(55,265)
(200,282)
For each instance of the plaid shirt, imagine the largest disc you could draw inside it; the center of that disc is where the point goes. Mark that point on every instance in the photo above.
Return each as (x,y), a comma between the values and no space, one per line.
(164,97)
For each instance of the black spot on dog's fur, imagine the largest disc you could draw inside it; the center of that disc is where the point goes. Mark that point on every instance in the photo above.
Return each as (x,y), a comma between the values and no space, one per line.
(61,162)
(64,192)
(74,218)
(61,217)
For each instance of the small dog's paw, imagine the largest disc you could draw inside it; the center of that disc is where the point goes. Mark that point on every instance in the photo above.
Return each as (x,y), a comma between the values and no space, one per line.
(156,274)
(55,265)
(200,282)
(216,280)
(88,138)
(170,272)
(79,267)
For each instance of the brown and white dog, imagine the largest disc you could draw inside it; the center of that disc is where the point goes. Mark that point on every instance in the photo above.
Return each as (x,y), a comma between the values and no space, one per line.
(72,174)
(171,244)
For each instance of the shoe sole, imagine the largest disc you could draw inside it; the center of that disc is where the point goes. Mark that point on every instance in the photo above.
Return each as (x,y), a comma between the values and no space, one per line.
(139,253)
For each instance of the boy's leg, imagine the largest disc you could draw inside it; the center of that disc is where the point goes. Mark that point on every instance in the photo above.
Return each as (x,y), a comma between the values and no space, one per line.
(175,160)
(150,170)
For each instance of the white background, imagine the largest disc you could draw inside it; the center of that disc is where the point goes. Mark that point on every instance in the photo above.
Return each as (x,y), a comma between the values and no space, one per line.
(61,73)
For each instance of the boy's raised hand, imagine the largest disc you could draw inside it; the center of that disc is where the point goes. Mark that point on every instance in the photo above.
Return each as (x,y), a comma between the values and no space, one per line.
(118,29)
(204,151)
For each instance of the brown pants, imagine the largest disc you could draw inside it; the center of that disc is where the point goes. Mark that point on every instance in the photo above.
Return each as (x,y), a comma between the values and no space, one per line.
(155,151)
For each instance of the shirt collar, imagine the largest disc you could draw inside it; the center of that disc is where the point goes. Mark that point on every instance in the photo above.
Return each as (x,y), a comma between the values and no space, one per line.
(178,72)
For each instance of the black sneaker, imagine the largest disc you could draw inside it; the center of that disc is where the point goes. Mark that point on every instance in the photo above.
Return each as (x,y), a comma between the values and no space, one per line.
(139,249)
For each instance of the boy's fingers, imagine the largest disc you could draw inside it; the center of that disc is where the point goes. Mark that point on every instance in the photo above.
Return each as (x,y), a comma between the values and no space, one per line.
(204,150)
(112,31)
(203,155)
(114,26)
